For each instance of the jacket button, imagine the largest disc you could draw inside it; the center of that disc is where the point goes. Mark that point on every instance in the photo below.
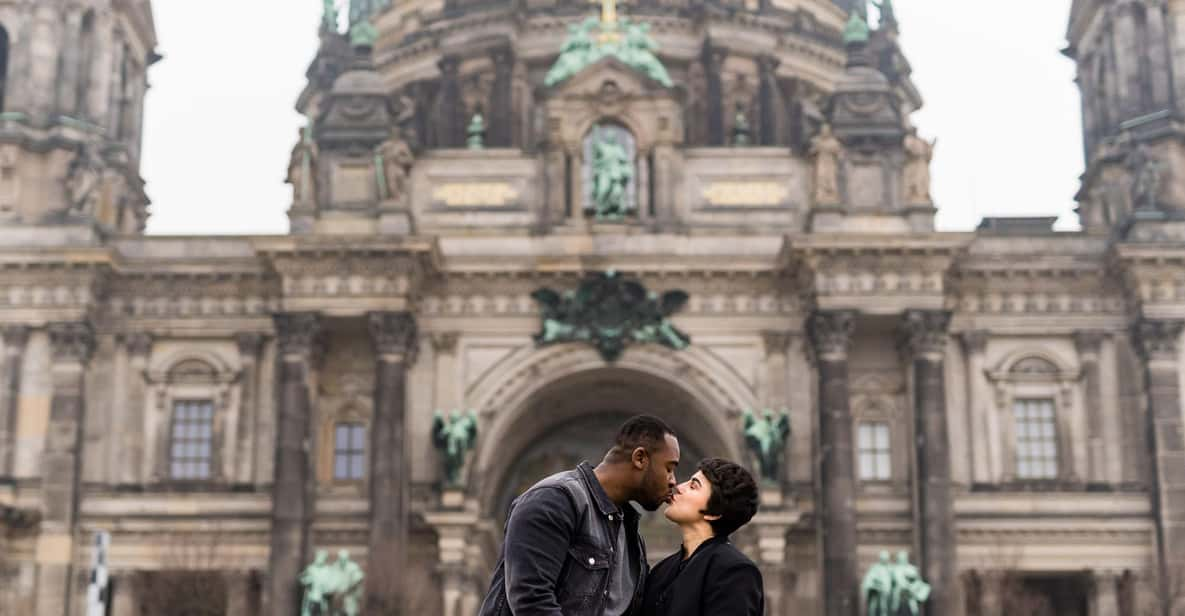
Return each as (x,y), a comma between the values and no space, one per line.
(592,561)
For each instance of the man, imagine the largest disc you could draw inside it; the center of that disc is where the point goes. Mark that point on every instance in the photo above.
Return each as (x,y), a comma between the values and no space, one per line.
(572,546)
(708,576)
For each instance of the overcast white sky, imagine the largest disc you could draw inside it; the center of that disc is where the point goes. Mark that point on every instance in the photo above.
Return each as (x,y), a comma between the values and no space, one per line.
(220,121)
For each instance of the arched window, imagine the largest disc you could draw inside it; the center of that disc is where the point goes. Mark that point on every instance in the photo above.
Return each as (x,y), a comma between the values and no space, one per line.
(86,48)
(3,65)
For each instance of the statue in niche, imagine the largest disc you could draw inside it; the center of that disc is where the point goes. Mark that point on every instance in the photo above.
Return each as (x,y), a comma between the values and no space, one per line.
(766,437)
(1147,176)
(894,588)
(302,166)
(84,179)
(476,132)
(742,133)
(612,173)
(453,437)
(393,163)
(918,154)
(827,151)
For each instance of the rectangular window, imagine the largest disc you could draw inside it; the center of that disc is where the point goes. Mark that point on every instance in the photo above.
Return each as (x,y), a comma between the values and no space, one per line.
(1036,439)
(873,448)
(192,442)
(349,451)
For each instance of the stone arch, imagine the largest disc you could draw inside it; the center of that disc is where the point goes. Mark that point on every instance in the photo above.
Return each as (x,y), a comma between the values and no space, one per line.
(532,396)
(161,369)
(1035,362)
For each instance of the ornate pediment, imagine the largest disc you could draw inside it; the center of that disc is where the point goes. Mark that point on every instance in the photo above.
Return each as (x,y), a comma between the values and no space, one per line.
(609,79)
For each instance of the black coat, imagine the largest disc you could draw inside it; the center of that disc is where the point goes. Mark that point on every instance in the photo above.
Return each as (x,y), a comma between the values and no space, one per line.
(718,580)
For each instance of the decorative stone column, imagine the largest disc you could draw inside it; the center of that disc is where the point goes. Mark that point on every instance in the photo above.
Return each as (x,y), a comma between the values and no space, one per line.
(131,467)
(714,65)
(1158,344)
(770,100)
(14,337)
(453,537)
(772,524)
(500,117)
(394,336)
(292,494)
(249,344)
(1088,344)
(71,345)
(1104,598)
(978,397)
(924,340)
(831,337)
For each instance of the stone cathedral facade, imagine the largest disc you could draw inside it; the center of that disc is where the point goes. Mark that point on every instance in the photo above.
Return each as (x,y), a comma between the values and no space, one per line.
(1004,404)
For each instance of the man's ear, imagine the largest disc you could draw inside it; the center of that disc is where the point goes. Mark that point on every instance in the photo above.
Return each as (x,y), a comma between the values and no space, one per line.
(640,458)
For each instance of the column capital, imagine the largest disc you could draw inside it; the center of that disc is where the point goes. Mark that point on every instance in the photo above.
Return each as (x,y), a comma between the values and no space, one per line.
(299,333)
(138,344)
(924,333)
(831,333)
(15,336)
(444,342)
(776,342)
(71,342)
(1157,339)
(249,344)
(394,333)
(1088,342)
(974,340)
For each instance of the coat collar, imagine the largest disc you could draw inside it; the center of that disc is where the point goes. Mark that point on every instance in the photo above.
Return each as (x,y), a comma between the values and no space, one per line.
(606,506)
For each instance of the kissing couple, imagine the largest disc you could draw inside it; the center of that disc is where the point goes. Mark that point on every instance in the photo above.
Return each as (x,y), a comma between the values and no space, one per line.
(572,546)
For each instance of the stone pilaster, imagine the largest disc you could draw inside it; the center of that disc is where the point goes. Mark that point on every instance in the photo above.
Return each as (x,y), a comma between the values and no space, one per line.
(1088,344)
(15,337)
(249,344)
(978,398)
(1158,344)
(1104,597)
(131,454)
(71,345)
(454,530)
(292,495)
(394,337)
(831,337)
(924,337)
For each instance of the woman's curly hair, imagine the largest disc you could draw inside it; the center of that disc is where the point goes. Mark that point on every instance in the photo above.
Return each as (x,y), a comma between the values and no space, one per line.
(734,495)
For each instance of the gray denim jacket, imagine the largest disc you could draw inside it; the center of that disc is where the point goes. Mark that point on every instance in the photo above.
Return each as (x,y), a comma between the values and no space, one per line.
(558,554)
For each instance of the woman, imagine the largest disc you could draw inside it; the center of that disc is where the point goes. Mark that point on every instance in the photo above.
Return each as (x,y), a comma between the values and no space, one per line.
(708,576)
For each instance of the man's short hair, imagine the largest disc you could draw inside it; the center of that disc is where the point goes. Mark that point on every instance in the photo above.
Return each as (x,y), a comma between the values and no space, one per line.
(643,431)
(734,495)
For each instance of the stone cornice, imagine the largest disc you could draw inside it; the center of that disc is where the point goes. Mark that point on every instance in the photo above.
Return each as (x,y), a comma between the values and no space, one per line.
(1153,276)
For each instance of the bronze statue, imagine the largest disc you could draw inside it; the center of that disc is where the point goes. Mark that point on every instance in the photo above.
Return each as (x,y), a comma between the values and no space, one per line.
(453,437)
(766,436)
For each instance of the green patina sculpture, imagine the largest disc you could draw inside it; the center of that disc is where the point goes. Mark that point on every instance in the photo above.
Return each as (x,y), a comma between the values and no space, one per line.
(636,49)
(894,588)
(329,16)
(453,437)
(887,13)
(476,132)
(612,172)
(766,435)
(610,313)
(857,30)
(331,589)
(742,133)
(363,34)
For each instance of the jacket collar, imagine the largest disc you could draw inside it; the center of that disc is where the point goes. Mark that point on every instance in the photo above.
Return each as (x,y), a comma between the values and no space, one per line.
(606,506)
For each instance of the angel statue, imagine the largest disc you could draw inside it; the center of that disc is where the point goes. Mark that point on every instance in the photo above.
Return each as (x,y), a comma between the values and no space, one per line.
(454,436)
(766,437)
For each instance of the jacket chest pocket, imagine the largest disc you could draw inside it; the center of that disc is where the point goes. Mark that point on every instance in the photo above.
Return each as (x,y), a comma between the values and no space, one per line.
(586,578)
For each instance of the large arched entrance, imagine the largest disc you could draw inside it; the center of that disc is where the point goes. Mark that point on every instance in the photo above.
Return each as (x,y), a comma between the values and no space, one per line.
(575,417)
